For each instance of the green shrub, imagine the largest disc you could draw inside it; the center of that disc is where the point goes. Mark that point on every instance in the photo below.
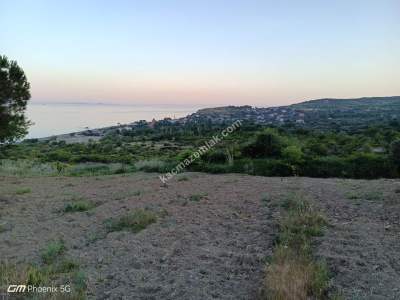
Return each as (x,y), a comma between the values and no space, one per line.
(292,154)
(272,167)
(369,165)
(215,157)
(59,155)
(323,167)
(266,144)
(153,166)
(395,152)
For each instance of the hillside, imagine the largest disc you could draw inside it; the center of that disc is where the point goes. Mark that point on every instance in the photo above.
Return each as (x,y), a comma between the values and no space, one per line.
(369,103)
(325,114)
(350,114)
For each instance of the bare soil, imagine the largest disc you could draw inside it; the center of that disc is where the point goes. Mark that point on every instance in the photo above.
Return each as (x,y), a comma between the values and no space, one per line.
(213,248)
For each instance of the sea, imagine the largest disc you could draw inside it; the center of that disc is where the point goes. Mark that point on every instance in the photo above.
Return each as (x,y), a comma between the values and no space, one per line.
(59,118)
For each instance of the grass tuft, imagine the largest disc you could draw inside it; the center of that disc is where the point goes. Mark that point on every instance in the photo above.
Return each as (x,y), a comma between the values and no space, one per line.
(197,197)
(135,221)
(78,206)
(183,178)
(55,268)
(23,191)
(53,250)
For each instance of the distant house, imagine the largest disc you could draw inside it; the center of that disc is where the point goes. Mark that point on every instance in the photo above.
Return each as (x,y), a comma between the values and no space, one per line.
(153,123)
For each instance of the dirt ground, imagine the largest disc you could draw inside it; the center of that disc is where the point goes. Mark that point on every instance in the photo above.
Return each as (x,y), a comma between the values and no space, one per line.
(213,246)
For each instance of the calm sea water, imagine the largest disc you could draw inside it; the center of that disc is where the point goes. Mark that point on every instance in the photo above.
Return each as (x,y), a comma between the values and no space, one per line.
(52,119)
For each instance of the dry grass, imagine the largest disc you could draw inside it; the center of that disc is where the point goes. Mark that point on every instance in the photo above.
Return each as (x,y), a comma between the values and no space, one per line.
(288,279)
(292,273)
(55,270)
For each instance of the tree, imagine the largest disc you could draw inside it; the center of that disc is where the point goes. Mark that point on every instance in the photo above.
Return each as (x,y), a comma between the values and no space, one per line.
(293,154)
(14,95)
(395,152)
(267,144)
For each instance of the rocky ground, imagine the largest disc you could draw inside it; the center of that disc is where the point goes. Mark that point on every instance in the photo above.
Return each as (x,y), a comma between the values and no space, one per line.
(212,236)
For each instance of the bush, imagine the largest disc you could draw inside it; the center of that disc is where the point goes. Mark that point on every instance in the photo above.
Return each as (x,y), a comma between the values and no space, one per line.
(329,166)
(395,152)
(58,155)
(292,154)
(271,167)
(369,165)
(90,158)
(266,144)
(217,156)
(154,166)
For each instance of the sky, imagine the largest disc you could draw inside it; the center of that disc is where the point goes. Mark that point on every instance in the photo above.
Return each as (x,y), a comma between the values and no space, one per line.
(205,52)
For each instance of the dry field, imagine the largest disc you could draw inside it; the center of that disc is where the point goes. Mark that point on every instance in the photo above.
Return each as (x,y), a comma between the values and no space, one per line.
(200,237)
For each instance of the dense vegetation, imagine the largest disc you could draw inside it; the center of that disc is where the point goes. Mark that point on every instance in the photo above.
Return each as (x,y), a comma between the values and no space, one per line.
(349,114)
(253,149)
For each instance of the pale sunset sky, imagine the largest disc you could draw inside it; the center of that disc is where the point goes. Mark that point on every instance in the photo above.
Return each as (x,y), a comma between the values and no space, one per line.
(205,52)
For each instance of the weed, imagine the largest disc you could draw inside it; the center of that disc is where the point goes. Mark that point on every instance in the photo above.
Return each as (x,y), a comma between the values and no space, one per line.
(66,265)
(78,206)
(183,178)
(292,272)
(265,199)
(135,221)
(54,269)
(52,251)
(29,274)
(79,281)
(36,275)
(23,191)
(367,195)
(197,197)
(353,195)
(373,196)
